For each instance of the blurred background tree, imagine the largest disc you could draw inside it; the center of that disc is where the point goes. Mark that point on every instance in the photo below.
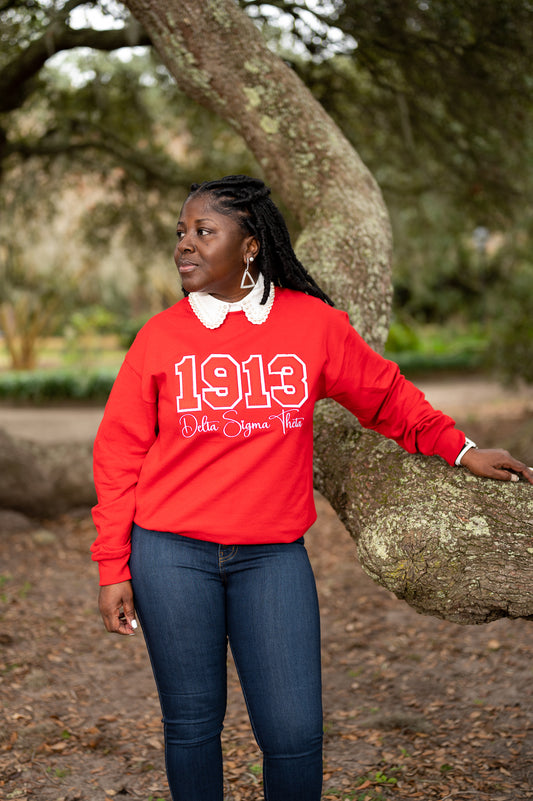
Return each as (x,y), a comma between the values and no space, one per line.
(93,169)
(436,96)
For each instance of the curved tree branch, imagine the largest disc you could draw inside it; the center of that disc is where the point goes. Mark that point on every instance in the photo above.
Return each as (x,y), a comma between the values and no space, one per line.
(84,137)
(450,544)
(18,77)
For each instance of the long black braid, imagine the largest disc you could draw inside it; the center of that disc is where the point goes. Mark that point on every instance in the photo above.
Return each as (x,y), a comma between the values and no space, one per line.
(247,201)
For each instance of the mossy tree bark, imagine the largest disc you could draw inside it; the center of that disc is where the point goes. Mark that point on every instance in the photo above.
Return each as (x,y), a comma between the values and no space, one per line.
(451,545)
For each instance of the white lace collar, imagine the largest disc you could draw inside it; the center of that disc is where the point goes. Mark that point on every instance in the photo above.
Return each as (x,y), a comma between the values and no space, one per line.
(212,312)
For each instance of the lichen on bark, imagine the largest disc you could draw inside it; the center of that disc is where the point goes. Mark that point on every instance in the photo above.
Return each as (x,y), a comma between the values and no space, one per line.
(450,544)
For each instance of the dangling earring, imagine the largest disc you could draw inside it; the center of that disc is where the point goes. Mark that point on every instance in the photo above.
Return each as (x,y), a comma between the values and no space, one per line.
(247,280)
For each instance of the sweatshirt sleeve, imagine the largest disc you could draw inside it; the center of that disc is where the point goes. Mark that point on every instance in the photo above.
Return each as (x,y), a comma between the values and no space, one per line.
(126,433)
(383,400)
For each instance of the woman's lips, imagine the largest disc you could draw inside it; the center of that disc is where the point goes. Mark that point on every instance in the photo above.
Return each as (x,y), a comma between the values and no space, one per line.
(186,267)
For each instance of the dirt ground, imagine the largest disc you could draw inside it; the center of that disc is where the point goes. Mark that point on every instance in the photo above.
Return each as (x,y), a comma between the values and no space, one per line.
(415,707)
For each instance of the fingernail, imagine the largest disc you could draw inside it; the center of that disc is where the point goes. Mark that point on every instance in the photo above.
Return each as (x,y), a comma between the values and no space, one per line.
(134,624)
(514,478)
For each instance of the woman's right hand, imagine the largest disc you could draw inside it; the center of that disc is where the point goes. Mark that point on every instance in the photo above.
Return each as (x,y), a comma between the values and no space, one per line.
(115,602)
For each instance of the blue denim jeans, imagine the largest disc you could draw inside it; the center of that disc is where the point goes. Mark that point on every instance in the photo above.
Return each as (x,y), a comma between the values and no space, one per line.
(192,597)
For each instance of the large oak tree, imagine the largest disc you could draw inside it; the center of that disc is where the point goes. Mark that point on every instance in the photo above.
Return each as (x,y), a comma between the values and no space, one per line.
(450,544)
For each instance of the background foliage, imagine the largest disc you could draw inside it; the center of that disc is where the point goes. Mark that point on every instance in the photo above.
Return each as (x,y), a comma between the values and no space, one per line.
(98,148)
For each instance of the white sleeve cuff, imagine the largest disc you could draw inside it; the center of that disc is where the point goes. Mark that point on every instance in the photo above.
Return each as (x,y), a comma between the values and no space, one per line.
(467,446)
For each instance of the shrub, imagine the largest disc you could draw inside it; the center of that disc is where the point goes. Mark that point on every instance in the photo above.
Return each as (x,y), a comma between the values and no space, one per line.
(45,386)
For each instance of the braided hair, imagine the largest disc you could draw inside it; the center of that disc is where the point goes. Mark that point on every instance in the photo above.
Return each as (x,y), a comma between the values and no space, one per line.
(247,201)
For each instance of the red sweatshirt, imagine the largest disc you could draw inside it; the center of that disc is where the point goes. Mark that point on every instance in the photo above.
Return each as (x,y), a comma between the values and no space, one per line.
(208,432)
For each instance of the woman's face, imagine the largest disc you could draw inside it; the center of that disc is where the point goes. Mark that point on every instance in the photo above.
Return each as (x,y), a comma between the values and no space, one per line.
(211,250)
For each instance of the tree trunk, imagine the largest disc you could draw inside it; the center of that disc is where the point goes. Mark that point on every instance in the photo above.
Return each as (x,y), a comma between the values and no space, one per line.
(451,545)
(45,480)
(218,58)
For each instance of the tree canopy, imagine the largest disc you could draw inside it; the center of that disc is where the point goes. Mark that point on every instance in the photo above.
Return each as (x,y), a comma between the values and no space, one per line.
(435,96)
(445,84)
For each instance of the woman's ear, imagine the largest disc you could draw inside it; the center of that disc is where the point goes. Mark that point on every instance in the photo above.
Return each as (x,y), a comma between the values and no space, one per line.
(252,248)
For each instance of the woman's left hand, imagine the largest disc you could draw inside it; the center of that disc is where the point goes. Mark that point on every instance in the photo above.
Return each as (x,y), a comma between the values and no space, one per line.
(116,606)
(493,463)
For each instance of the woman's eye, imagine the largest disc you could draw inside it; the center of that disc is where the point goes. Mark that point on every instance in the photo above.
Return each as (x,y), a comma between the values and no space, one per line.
(199,232)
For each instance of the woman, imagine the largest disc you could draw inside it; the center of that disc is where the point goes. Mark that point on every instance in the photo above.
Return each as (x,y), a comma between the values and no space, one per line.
(203,468)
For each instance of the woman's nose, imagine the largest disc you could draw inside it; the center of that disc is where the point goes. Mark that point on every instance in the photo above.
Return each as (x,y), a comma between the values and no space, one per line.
(184,244)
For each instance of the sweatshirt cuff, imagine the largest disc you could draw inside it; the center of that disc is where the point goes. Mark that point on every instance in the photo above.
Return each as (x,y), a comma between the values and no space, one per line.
(113,571)
(450,444)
